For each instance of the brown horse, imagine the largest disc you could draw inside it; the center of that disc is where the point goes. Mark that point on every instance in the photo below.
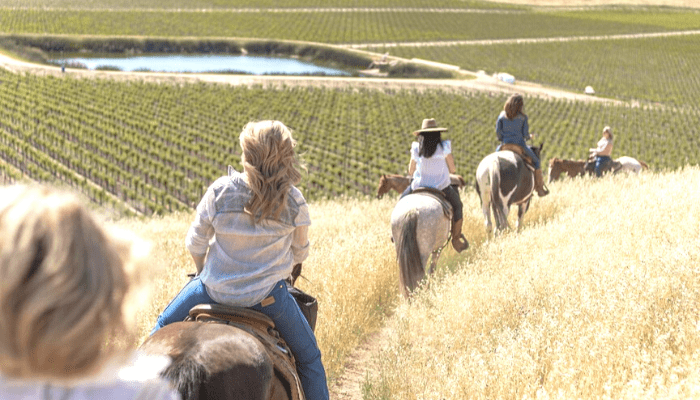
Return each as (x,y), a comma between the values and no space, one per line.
(228,361)
(217,361)
(572,168)
(401,182)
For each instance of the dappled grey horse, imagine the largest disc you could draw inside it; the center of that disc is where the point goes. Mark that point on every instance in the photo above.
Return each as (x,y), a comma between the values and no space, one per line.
(420,226)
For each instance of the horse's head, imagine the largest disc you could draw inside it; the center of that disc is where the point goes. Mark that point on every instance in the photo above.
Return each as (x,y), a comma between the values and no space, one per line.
(384,186)
(538,150)
(554,169)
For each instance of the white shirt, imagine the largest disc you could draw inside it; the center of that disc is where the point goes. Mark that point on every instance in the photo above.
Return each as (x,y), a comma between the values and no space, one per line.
(139,380)
(604,148)
(431,172)
(246,259)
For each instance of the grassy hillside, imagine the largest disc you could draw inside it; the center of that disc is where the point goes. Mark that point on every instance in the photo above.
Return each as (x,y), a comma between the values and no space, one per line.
(596,296)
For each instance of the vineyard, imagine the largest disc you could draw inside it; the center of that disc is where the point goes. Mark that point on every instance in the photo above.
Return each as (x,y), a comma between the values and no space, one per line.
(150,148)
(229,4)
(611,67)
(351,26)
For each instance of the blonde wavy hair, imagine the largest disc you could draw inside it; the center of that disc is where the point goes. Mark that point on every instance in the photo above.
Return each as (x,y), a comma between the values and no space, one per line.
(270,165)
(513,106)
(64,285)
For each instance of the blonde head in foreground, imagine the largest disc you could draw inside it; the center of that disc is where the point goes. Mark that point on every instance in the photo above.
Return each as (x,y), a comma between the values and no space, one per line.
(63,285)
(270,165)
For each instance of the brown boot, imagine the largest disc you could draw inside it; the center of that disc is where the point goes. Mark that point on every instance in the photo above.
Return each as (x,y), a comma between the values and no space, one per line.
(459,242)
(539,184)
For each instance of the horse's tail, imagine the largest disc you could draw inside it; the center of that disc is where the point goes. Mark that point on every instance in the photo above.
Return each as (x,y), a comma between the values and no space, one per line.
(644,165)
(407,254)
(497,205)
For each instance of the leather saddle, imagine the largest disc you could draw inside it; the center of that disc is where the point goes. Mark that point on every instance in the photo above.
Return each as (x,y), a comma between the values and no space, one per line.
(259,326)
(519,151)
(437,194)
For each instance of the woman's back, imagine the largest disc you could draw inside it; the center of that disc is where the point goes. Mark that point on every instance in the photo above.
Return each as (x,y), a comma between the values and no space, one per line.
(431,171)
(514,130)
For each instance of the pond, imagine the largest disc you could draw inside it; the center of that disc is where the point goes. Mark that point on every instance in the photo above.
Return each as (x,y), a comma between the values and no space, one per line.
(255,65)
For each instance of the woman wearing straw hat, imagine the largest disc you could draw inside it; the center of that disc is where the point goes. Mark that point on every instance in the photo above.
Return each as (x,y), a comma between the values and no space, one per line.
(431,165)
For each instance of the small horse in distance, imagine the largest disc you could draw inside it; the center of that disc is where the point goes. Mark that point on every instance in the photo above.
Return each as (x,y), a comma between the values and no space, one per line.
(503,178)
(219,355)
(622,164)
(629,165)
(399,183)
(558,166)
(420,227)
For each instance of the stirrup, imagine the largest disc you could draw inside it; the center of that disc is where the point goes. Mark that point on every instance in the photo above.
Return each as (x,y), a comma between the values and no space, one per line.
(463,245)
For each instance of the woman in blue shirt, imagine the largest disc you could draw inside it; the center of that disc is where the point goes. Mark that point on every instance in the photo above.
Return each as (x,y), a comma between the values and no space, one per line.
(512,127)
(431,165)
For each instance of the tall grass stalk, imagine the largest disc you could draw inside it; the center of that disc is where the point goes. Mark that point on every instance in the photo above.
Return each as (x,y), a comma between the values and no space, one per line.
(597,297)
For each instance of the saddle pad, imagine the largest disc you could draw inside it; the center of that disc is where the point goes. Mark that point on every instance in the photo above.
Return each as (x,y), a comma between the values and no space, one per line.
(253,318)
(439,196)
(519,151)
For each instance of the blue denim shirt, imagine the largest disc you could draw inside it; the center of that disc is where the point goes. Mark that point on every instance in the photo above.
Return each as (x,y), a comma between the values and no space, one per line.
(245,258)
(515,131)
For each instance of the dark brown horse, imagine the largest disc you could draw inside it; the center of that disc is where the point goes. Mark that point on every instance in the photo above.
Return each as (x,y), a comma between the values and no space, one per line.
(399,183)
(217,361)
(220,361)
(503,179)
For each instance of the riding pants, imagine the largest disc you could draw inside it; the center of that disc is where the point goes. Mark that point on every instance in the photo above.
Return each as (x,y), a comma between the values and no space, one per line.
(600,163)
(452,196)
(288,319)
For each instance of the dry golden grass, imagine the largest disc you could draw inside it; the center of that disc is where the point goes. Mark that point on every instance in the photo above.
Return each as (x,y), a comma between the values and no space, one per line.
(596,297)
(599,299)
(350,269)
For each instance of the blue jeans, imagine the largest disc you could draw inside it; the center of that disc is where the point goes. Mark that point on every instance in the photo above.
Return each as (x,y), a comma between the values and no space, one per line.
(289,321)
(600,163)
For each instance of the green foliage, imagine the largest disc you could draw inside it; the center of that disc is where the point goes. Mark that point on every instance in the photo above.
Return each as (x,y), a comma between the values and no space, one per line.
(653,70)
(353,26)
(155,147)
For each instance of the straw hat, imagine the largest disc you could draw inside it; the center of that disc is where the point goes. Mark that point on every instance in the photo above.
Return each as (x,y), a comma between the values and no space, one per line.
(429,125)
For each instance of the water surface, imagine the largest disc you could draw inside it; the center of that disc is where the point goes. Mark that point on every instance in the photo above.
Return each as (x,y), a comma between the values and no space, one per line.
(255,65)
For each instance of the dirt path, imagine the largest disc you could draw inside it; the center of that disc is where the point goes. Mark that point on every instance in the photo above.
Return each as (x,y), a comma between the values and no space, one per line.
(487,42)
(359,366)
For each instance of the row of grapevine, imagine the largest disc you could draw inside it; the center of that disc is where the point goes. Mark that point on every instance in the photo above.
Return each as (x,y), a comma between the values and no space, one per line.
(156,147)
(651,70)
(252,4)
(350,26)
